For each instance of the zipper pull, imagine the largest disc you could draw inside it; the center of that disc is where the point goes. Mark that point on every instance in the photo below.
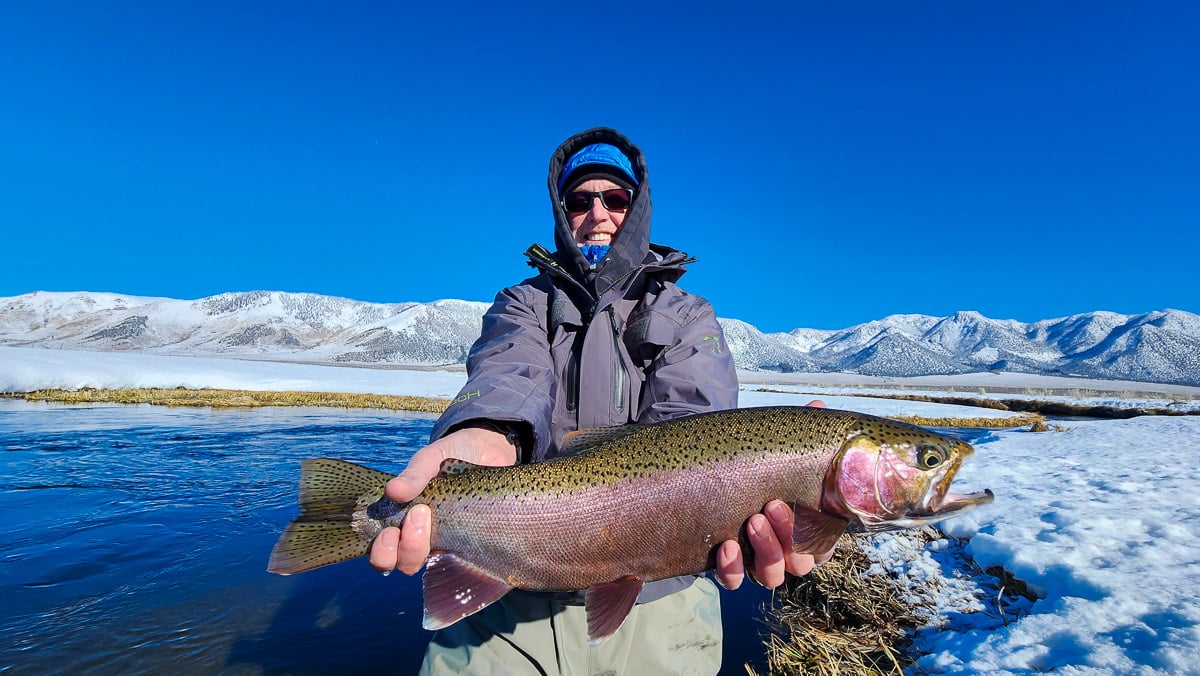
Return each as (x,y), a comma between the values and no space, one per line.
(538,251)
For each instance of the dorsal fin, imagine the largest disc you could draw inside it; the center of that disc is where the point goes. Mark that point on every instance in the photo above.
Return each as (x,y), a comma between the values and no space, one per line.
(583,440)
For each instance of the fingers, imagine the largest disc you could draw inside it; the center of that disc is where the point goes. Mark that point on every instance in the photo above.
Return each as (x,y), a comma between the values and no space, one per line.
(405,549)
(770,535)
(816,403)
(475,445)
(769,564)
(383,550)
(413,547)
(781,517)
(424,465)
(730,570)
(405,487)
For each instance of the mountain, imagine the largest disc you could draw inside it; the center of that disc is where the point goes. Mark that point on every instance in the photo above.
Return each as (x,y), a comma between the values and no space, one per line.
(1161,346)
(259,324)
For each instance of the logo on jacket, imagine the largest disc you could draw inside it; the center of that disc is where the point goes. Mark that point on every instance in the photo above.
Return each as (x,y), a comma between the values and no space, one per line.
(716,343)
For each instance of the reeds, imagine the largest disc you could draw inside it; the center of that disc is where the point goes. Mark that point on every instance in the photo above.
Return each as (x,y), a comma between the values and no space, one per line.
(215,398)
(839,619)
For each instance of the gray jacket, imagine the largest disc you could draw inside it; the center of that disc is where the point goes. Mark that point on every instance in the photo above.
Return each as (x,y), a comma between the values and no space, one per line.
(578,348)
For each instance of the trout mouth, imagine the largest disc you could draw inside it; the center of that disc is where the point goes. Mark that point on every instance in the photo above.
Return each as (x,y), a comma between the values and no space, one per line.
(953,504)
(950,504)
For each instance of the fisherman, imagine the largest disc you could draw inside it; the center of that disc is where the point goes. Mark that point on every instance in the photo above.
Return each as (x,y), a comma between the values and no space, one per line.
(602,336)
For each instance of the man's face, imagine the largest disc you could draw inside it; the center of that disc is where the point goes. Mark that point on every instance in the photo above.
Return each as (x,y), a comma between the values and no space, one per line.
(598,224)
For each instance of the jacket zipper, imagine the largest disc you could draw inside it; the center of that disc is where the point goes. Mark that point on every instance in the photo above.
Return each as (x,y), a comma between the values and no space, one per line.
(620,377)
(542,258)
(572,381)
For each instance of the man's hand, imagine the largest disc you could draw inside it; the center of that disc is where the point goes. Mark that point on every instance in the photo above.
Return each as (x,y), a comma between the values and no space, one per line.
(407,549)
(770,535)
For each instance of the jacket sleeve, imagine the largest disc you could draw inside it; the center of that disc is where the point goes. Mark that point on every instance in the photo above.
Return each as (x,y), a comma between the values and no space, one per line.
(694,372)
(509,373)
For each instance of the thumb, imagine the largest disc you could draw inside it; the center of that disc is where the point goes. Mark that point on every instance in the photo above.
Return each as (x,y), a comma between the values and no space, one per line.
(405,487)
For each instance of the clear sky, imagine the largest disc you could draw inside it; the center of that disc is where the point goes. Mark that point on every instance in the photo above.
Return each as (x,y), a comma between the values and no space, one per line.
(828,163)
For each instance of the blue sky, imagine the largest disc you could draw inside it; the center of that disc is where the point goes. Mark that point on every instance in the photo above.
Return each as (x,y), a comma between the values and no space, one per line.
(828,163)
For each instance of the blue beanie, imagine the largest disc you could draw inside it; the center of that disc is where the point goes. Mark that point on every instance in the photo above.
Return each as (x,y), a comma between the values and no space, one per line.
(604,157)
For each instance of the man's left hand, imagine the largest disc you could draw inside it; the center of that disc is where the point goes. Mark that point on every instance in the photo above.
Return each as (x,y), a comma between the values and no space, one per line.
(770,535)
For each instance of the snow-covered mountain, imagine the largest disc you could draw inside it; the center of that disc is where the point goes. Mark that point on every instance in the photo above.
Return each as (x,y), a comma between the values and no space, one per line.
(259,324)
(1160,346)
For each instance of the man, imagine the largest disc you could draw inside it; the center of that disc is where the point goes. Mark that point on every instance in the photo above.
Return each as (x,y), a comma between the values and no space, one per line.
(601,336)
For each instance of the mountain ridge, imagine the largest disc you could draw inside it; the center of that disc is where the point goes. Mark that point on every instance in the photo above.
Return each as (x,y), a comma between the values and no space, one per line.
(1158,346)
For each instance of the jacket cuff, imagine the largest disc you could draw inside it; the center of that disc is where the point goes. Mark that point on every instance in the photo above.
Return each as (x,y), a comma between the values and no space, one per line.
(519,434)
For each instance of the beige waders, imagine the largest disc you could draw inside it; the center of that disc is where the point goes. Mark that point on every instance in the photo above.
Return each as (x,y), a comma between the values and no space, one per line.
(526,633)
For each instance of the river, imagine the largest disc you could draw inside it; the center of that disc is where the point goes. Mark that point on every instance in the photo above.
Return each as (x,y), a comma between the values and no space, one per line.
(135,540)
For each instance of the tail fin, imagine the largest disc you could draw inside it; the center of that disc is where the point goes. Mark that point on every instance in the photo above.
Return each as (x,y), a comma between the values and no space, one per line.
(331,492)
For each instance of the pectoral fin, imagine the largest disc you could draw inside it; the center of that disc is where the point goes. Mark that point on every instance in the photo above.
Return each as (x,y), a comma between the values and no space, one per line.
(608,605)
(815,532)
(455,588)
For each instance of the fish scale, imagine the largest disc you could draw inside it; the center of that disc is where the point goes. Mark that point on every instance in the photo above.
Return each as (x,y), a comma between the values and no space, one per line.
(635,504)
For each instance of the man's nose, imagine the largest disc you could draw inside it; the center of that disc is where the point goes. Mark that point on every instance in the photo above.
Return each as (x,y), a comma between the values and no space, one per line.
(598,211)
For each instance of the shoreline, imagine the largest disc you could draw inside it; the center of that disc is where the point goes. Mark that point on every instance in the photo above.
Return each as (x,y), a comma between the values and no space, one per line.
(236,398)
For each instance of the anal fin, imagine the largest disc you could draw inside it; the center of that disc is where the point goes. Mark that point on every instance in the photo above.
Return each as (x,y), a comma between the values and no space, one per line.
(455,588)
(608,605)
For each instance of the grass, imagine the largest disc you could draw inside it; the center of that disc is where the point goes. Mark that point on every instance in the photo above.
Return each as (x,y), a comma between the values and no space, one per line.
(215,398)
(1020,420)
(839,620)
(1012,421)
(845,618)
(1033,408)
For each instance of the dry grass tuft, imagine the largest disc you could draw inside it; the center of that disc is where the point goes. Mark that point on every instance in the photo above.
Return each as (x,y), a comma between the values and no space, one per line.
(839,620)
(217,398)
(1013,421)
(214,398)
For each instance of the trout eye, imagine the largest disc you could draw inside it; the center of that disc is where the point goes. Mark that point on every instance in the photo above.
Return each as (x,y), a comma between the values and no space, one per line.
(929,457)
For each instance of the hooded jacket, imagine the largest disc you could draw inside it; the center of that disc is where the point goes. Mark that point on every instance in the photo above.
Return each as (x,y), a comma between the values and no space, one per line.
(580,347)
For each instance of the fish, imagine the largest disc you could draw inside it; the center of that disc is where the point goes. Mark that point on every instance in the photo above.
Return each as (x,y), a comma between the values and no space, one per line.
(632,504)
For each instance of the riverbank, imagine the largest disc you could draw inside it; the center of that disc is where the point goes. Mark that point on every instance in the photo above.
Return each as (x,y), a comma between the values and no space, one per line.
(222,398)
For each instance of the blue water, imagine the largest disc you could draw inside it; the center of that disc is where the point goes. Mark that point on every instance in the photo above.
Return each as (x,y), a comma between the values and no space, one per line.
(135,539)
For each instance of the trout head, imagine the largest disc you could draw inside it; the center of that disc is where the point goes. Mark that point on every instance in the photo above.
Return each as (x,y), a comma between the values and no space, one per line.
(890,475)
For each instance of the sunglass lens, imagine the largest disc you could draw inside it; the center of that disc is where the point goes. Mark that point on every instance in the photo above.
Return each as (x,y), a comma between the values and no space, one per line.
(616,200)
(577,202)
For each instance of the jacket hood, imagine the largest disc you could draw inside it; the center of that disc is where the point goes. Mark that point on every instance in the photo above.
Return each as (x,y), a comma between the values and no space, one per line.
(631,246)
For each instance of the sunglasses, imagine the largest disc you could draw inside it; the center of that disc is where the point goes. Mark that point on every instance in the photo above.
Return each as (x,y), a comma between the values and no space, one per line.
(617,199)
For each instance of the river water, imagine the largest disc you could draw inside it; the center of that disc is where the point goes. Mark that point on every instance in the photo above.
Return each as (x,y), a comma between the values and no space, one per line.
(134,539)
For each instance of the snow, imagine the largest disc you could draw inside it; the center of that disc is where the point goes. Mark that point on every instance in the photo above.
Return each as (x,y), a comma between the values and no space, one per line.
(1101,519)
(24,369)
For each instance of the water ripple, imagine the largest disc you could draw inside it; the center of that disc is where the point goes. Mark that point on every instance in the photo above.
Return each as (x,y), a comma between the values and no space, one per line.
(147,532)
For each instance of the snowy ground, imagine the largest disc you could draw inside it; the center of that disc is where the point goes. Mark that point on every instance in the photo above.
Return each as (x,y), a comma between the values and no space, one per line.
(1101,519)
(988,385)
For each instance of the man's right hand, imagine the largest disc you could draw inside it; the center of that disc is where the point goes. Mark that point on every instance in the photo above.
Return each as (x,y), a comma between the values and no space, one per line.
(406,549)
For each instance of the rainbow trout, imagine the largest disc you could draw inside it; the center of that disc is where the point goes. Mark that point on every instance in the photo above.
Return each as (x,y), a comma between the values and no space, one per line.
(634,504)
